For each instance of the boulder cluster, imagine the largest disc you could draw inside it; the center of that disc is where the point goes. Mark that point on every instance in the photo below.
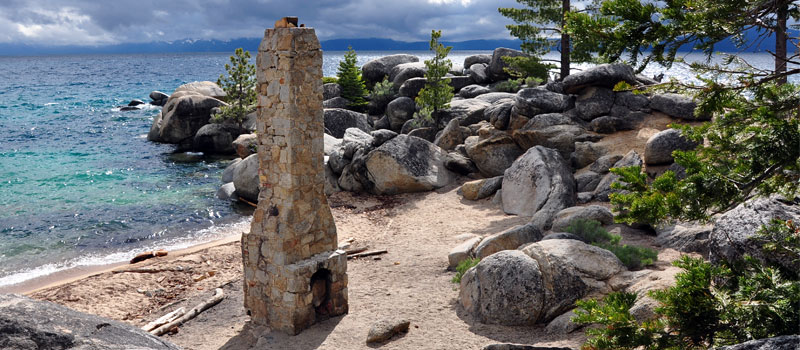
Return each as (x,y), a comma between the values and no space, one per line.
(185,120)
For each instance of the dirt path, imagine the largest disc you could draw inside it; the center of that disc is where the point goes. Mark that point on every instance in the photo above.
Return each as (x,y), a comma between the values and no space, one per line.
(411,281)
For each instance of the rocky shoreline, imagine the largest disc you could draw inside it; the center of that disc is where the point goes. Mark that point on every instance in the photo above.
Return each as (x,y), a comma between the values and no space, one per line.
(541,155)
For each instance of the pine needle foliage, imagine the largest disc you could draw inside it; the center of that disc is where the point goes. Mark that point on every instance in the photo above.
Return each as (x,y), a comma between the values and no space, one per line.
(438,92)
(239,87)
(754,302)
(349,77)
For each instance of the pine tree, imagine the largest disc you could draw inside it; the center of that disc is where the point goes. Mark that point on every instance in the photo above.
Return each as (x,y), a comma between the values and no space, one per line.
(536,23)
(349,77)
(438,92)
(239,87)
(657,30)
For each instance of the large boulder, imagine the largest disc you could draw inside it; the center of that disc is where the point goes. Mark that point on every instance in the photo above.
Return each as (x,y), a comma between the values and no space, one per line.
(412,87)
(676,105)
(27,324)
(399,111)
(245,178)
(594,102)
(534,101)
(592,264)
(480,189)
(558,137)
(205,88)
(492,154)
(515,287)
(497,64)
(375,70)
(227,174)
(407,164)
(354,140)
(404,71)
(331,90)
(784,342)
(734,233)
(493,97)
(246,144)
(337,120)
(499,113)
(509,239)
(659,147)
(216,139)
(685,237)
(538,184)
(472,91)
(185,115)
(606,75)
(451,136)
(479,72)
(589,212)
(506,288)
(469,111)
(477,59)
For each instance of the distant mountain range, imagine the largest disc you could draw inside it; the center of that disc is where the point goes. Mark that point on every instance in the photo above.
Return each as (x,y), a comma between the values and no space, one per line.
(251,44)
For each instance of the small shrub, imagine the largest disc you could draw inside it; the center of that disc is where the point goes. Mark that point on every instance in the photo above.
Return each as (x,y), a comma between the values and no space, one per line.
(328,80)
(756,301)
(522,67)
(349,77)
(592,232)
(633,257)
(511,85)
(383,92)
(532,82)
(462,268)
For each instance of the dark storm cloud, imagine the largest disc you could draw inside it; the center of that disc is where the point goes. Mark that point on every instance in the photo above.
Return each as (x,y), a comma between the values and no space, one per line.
(92,22)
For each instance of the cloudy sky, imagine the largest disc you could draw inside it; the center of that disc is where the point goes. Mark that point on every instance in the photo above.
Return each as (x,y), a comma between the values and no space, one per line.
(93,22)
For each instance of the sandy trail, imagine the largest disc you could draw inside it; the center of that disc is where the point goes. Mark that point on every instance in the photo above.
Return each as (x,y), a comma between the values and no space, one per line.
(411,282)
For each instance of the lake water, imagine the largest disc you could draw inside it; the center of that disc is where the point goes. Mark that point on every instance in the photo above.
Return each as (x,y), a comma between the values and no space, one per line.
(79,183)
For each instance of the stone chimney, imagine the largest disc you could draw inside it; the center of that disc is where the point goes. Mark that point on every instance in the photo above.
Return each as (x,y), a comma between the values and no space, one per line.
(294,274)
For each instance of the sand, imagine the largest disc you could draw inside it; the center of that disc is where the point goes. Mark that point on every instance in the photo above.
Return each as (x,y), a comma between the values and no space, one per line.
(410,281)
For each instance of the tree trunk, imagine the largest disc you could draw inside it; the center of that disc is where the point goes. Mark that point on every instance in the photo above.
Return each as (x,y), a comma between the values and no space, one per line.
(780,41)
(565,49)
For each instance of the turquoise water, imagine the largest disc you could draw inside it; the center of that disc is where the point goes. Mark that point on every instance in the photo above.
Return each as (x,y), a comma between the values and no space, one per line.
(79,182)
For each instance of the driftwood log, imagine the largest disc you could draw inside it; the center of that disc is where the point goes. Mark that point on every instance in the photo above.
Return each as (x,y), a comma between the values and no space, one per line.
(216,299)
(172,316)
(365,254)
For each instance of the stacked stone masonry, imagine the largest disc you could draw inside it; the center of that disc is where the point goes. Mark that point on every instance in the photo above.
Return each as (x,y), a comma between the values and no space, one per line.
(292,239)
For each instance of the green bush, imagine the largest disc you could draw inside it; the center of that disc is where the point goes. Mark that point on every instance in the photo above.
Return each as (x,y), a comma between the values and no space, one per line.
(592,232)
(527,67)
(633,257)
(349,77)
(383,92)
(462,268)
(511,85)
(328,80)
(751,301)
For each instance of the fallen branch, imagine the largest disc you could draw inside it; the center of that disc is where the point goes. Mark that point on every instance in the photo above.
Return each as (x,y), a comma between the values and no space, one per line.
(148,255)
(153,270)
(361,255)
(248,202)
(216,299)
(164,319)
(356,251)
